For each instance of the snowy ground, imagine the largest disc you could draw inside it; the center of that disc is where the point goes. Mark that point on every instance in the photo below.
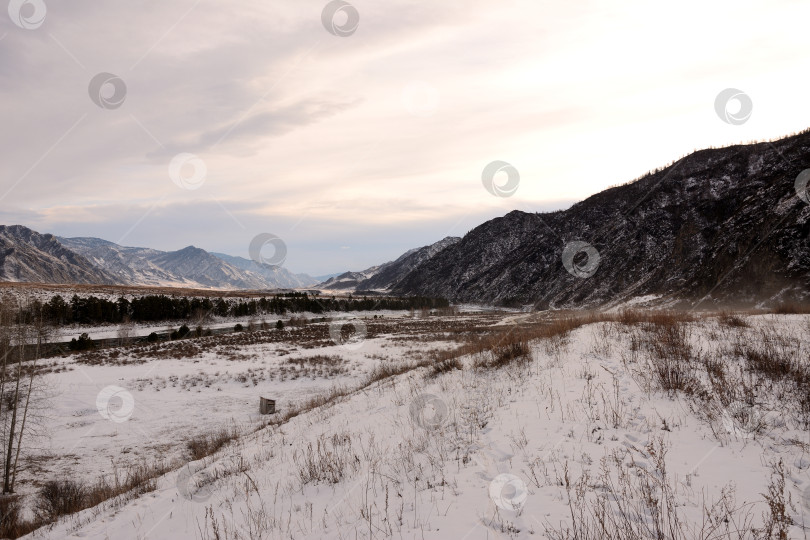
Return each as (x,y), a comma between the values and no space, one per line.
(103,411)
(499,453)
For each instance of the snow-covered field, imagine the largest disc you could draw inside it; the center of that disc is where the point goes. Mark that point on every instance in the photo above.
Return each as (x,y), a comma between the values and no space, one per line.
(527,450)
(104,411)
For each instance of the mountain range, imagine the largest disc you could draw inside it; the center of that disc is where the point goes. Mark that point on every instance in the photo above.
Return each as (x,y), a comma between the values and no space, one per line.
(719,226)
(29,256)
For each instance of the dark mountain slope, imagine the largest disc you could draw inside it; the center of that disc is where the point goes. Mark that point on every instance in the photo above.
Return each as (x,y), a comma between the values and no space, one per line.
(718,225)
(391,273)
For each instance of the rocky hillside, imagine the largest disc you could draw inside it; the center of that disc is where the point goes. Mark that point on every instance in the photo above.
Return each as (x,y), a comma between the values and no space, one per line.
(720,225)
(198,266)
(392,273)
(130,265)
(278,275)
(28,256)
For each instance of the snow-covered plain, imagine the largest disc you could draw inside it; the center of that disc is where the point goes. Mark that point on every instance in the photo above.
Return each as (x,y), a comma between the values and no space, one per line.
(152,406)
(470,453)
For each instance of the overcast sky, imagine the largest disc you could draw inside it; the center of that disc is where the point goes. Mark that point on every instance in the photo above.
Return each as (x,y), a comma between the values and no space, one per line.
(354,148)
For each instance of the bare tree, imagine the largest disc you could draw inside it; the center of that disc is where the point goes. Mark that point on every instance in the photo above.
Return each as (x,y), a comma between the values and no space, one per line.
(200,316)
(6,325)
(22,333)
(41,332)
(126,331)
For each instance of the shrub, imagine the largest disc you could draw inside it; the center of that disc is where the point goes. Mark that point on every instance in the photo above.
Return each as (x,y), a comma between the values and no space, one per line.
(298,321)
(181,333)
(11,524)
(58,498)
(152,338)
(84,343)
(279,325)
(238,327)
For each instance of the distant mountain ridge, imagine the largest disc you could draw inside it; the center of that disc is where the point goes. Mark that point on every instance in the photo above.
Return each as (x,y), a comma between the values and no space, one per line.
(385,276)
(347,281)
(271,273)
(187,267)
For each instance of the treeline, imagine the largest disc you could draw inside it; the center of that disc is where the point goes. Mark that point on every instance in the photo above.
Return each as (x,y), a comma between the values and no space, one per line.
(156,308)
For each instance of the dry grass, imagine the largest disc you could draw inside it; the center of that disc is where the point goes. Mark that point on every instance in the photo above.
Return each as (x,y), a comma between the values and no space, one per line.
(752,365)
(503,350)
(791,308)
(671,356)
(778,520)
(319,366)
(58,498)
(208,443)
(625,500)
(732,320)
(444,366)
(637,503)
(329,461)
(662,317)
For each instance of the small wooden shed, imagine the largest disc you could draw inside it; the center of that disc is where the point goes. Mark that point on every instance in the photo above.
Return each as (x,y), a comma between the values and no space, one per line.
(267,406)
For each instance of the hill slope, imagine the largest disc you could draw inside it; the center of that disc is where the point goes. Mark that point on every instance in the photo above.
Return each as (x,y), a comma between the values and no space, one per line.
(718,225)
(391,273)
